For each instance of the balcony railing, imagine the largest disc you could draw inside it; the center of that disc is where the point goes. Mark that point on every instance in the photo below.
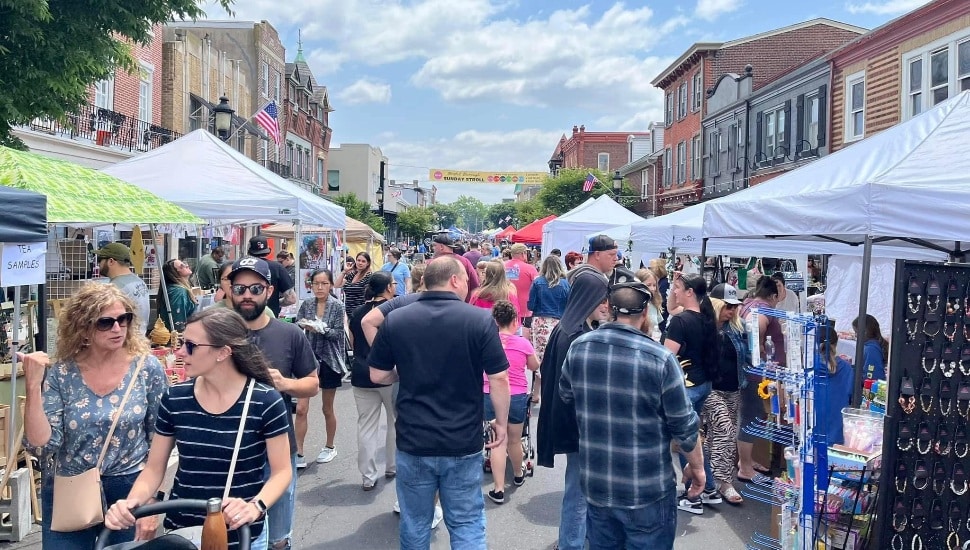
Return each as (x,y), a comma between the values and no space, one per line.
(107,128)
(281,170)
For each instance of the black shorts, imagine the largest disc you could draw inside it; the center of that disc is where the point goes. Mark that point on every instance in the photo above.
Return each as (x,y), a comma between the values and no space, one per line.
(329,380)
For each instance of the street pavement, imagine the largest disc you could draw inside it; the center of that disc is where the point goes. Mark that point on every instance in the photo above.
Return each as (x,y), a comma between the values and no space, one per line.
(332,512)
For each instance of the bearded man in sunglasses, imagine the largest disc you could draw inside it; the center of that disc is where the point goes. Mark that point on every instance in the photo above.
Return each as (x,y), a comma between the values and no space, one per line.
(294,369)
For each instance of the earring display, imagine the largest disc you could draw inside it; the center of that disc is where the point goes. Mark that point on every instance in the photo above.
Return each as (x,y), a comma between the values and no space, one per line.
(927,424)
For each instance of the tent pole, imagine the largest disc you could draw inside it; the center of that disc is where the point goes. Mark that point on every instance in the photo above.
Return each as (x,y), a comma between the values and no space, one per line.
(161,279)
(861,325)
(298,284)
(14,348)
(703,254)
(41,317)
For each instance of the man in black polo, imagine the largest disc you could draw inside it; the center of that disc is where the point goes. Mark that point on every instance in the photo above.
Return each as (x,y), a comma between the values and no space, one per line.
(440,404)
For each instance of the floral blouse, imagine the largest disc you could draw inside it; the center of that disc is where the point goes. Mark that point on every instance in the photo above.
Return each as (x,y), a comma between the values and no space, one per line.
(331,346)
(80,419)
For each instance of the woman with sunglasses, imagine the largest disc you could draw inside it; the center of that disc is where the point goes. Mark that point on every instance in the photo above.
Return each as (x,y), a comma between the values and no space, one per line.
(68,413)
(353,281)
(329,343)
(201,418)
(181,301)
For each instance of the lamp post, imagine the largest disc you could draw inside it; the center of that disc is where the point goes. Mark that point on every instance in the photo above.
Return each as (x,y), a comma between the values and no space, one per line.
(617,184)
(223,114)
(380,201)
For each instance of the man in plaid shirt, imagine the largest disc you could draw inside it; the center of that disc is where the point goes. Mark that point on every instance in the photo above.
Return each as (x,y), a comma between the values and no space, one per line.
(631,403)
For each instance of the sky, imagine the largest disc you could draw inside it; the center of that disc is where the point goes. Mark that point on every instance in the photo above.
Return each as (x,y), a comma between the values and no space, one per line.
(492,85)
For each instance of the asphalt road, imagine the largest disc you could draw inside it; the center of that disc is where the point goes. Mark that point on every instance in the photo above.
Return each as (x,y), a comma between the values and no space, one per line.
(334,513)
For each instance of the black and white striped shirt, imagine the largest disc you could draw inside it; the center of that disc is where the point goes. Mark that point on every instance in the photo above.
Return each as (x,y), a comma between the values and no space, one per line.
(205,443)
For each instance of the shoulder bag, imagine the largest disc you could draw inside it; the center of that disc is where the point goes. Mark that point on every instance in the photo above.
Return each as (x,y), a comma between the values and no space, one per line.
(79,500)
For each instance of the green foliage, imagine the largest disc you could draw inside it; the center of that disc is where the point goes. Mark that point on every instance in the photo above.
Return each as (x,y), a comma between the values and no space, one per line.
(565,192)
(498,212)
(447,216)
(530,211)
(360,210)
(52,50)
(471,212)
(416,221)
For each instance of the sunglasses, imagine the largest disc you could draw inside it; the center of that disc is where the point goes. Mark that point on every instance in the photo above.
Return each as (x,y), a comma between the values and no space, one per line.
(190,346)
(254,289)
(105,324)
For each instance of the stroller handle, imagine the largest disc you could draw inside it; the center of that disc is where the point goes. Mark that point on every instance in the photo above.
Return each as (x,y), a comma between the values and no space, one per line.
(177,505)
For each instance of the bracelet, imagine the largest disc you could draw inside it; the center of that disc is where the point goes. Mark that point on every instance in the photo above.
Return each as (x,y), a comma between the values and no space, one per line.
(952,540)
(916,539)
(948,368)
(897,542)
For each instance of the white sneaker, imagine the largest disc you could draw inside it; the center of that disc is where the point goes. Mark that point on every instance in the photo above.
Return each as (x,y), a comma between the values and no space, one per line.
(300,462)
(438,516)
(397,507)
(326,455)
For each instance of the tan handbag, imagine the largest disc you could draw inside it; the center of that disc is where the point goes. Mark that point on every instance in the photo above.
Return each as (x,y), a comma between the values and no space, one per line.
(78,500)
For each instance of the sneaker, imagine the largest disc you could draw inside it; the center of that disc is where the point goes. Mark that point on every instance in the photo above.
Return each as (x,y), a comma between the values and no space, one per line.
(690,506)
(711,497)
(518,480)
(326,455)
(397,507)
(439,515)
(369,485)
(300,462)
(498,497)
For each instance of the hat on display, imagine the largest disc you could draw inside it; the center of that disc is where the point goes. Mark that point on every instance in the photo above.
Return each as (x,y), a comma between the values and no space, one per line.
(114,251)
(725,292)
(601,243)
(444,239)
(258,266)
(258,246)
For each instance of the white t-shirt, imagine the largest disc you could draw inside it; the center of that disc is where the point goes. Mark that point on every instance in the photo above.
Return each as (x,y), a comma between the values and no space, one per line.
(137,290)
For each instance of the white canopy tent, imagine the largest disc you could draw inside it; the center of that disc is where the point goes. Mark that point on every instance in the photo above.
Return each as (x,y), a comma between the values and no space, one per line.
(568,232)
(214,181)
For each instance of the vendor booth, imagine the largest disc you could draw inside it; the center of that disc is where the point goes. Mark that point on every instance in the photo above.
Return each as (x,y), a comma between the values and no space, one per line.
(532,233)
(568,232)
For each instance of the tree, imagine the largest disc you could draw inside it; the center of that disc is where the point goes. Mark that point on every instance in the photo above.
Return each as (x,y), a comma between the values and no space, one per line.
(530,211)
(498,212)
(565,191)
(360,211)
(416,221)
(447,216)
(52,50)
(471,212)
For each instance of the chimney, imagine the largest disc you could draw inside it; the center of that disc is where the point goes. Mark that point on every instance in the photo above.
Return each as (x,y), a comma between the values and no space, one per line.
(575,130)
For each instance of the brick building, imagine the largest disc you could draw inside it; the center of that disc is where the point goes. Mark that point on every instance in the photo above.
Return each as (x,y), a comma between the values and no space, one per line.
(307,139)
(644,170)
(123,116)
(900,70)
(686,81)
(604,151)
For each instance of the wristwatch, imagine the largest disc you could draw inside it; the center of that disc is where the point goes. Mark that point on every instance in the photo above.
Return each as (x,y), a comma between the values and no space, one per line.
(260,505)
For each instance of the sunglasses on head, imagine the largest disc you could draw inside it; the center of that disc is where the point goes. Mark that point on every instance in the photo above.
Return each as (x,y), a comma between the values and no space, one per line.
(254,289)
(107,323)
(190,346)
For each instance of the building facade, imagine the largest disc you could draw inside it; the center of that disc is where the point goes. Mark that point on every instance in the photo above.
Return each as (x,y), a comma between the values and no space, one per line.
(307,139)
(686,81)
(899,70)
(123,116)
(643,172)
(356,168)
(604,151)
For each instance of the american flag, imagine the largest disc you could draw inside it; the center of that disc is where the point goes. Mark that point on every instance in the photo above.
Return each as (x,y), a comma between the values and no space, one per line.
(266,117)
(590,182)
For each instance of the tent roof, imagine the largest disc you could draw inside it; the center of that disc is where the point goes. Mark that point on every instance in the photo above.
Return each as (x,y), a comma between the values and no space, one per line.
(214,181)
(505,232)
(76,194)
(356,231)
(25,216)
(907,182)
(532,233)
(602,211)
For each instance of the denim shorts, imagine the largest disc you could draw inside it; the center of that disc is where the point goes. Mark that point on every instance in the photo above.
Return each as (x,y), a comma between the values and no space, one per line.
(517,408)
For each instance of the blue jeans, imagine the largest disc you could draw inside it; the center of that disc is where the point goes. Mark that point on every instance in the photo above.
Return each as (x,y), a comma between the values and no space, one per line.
(458,481)
(698,395)
(279,518)
(572,518)
(652,527)
(115,488)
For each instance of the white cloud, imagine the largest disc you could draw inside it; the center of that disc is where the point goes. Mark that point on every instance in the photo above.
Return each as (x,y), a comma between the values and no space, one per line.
(365,91)
(710,10)
(886,7)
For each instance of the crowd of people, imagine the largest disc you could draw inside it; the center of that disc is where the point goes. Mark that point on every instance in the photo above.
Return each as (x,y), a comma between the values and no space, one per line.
(624,369)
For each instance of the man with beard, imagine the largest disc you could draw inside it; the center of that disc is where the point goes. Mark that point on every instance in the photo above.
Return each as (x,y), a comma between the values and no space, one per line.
(294,369)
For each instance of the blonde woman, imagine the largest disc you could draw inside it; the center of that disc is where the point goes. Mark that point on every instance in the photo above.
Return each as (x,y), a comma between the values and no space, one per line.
(655,306)
(495,287)
(658,266)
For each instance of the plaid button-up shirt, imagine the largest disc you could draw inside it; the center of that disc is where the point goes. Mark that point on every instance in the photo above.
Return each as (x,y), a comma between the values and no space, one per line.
(630,403)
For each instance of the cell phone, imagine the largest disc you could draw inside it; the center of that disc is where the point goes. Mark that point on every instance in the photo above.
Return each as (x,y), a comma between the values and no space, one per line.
(488,432)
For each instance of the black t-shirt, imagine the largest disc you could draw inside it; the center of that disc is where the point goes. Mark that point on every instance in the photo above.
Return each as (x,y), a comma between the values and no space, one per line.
(281,282)
(360,370)
(289,351)
(439,403)
(726,378)
(698,343)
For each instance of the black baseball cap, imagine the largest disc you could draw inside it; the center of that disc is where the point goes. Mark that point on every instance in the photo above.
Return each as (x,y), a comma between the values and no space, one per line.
(258,246)
(443,238)
(600,243)
(258,266)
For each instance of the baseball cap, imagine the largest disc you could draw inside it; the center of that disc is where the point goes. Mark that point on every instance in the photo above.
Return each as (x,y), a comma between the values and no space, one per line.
(258,246)
(725,292)
(258,266)
(443,238)
(519,248)
(630,304)
(115,251)
(600,243)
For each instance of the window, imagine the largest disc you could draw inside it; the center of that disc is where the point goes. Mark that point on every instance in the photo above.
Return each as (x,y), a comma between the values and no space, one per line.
(298,163)
(915,86)
(682,162)
(855,106)
(333,180)
(289,155)
(104,93)
(264,78)
(603,162)
(940,75)
(736,146)
(682,101)
(264,148)
(813,106)
(963,65)
(698,90)
(669,109)
(714,146)
(307,167)
(774,136)
(277,78)
(935,73)
(695,150)
(145,94)
(319,171)
(666,162)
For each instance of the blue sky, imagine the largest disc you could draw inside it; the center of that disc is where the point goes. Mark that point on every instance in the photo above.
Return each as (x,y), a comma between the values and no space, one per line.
(492,84)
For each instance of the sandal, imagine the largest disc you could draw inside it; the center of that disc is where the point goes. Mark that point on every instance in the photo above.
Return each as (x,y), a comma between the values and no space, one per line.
(730,494)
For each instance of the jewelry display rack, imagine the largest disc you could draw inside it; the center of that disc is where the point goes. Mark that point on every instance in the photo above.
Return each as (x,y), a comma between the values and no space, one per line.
(792,423)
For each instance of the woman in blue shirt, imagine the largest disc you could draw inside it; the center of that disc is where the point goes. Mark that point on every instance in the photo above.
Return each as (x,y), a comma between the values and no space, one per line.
(841,378)
(875,351)
(547,301)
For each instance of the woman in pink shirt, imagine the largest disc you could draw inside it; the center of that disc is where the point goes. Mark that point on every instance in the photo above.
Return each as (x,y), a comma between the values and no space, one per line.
(521,356)
(495,287)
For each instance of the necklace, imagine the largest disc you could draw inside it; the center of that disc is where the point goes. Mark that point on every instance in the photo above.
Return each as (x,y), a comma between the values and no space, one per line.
(931,368)
(926,405)
(952,334)
(931,334)
(897,542)
(922,451)
(912,332)
(932,303)
(913,300)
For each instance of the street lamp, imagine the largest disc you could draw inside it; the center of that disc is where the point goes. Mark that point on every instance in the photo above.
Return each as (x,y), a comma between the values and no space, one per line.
(380,201)
(617,183)
(223,114)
